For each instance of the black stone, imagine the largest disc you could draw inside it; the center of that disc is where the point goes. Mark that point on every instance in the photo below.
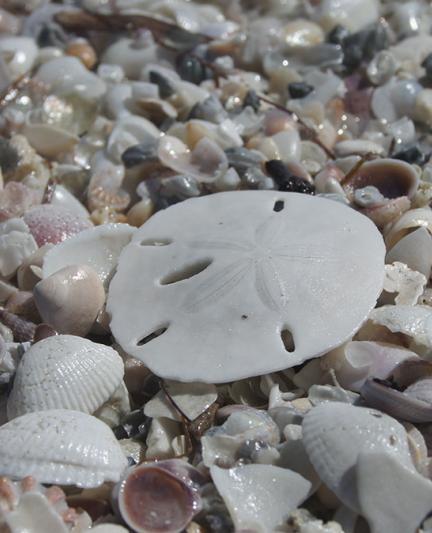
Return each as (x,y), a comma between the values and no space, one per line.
(166,88)
(427,65)
(9,157)
(285,180)
(338,34)
(252,100)
(139,153)
(299,89)
(363,45)
(411,155)
(191,69)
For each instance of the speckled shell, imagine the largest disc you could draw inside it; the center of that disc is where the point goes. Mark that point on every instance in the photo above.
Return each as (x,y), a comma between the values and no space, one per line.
(64,371)
(335,434)
(60,446)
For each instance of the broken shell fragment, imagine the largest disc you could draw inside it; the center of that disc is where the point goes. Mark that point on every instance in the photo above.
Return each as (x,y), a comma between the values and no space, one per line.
(152,498)
(212,265)
(70,299)
(412,219)
(65,372)
(415,250)
(98,248)
(260,497)
(16,245)
(60,446)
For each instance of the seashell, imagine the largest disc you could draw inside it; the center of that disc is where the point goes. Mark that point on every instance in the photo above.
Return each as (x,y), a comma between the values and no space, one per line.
(130,131)
(30,271)
(53,224)
(140,212)
(98,248)
(328,180)
(356,361)
(412,320)
(43,331)
(203,163)
(61,446)
(334,436)
(192,399)
(395,99)
(70,299)
(68,76)
(65,372)
(16,245)
(82,49)
(205,247)
(302,32)
(151,497)
(423,107)
(354,15)
(260,497)
(19,55)
(104,188)
(49,141)
(412,219)
(391,177)
(408,283)
(413,405)
(358,147)
(23,330)
(382,67)
(161,437)
(21,303)
(154,109)
(132,55)
(383,484)
(66,200)
(383,215)
(15,199)
(210,110)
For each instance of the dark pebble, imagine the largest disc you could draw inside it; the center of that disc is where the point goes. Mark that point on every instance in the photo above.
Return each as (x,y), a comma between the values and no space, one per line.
(285,180)
(411,155)
(139,153)
(9,157)
(217,523)
(338,34)
(166,88)
(427,65)
(241,158)
(252,100)
(299,89)
(363,45)
(191,69)
(210,109)
(136,423)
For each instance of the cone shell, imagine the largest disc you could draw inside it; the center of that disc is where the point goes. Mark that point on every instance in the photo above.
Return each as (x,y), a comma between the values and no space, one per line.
(65,372)
(60,446)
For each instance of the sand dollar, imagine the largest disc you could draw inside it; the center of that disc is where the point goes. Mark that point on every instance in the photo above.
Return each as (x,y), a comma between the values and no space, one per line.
(238,284)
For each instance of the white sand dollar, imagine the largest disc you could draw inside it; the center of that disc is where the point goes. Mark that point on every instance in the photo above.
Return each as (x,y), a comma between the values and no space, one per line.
(211,289)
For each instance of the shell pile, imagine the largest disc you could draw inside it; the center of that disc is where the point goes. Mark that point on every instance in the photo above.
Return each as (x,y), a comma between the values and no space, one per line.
(215,266)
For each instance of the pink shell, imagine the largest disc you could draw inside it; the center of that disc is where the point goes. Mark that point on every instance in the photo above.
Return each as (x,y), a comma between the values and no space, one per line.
(53,224)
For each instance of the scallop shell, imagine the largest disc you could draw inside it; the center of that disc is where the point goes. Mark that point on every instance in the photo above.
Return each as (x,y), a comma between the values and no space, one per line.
(334,435)
(97,247)
(260,497)
(61,446)
(66,372)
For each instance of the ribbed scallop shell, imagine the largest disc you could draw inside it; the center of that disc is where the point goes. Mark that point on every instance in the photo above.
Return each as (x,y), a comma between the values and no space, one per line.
(334,435)
(60,446)
(65,372)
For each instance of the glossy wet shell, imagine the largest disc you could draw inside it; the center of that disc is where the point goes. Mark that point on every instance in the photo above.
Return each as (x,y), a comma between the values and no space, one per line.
(208,286)
(334,435)
(60,446)
(66,372)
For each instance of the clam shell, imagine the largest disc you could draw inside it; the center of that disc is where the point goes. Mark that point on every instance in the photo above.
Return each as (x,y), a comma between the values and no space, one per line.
(415,250)
(260,497)
(97,247)
(414,218)
(60,446)
(66,372)
(334,435)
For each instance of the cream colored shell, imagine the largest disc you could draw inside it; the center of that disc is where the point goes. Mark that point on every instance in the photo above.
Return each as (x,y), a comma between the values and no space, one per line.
(60,446)
(65,372)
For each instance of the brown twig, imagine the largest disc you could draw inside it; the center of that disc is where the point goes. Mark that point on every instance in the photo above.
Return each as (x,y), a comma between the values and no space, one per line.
(357,166)
(310,130)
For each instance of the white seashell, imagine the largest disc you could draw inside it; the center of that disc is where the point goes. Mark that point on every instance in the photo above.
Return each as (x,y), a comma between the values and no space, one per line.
(30,271)
(335,434)
(288,144)
(191,398)
(423,107)
(19,54)
(395,99)
(358,147)
(414,321)
(98,248)
(61,446)
(65,372)
(48,140)
(415,250)
(355,361)
(381,68)
(160,438)
(63,198)
(260,497)
(129,131)
(16,245)
(384,486)
(412,51)
(226,269)
(70,299)
(408,283)
(414,218)
(67,76)
(115,100)
(353,14)
(132,55)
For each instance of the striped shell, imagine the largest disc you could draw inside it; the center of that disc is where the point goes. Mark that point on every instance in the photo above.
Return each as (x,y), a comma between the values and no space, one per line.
(60,446)
(67,372)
